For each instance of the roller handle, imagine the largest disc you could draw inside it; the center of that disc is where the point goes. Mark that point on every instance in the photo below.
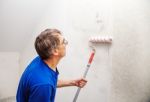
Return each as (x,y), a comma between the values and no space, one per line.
(76,95)
(91,57)
(85,73)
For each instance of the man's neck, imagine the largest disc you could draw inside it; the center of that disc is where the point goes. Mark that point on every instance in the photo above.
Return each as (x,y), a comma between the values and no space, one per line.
(52,63)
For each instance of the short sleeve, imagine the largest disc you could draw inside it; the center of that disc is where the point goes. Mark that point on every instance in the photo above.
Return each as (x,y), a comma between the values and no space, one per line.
(41,93)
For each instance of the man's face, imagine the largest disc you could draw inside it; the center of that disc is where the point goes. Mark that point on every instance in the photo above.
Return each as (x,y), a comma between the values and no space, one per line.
(62,46)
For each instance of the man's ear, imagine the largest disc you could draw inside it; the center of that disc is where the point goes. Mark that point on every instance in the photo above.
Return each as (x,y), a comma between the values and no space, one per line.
(55,52)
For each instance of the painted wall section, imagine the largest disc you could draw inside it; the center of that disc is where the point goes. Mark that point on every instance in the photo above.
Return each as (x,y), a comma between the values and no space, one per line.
(131,51)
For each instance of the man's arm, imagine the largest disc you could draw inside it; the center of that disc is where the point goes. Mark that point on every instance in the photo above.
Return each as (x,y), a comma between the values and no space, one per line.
(77,82)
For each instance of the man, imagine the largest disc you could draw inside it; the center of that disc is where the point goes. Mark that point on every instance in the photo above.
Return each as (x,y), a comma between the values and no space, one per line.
(40,79)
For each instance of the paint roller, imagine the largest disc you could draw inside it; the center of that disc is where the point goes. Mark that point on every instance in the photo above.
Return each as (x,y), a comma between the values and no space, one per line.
(92,40)
(101,39)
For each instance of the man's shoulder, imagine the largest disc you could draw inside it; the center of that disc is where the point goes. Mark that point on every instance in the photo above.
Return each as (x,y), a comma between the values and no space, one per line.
(33,65)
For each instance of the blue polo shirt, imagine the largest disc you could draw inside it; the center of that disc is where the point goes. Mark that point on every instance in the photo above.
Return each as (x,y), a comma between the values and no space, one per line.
(38,83)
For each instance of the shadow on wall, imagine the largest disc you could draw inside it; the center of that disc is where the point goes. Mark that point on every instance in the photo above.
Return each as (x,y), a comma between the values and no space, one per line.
(8,99)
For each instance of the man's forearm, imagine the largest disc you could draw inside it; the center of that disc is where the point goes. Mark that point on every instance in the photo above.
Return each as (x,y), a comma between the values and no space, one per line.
(64,83)
(77,82)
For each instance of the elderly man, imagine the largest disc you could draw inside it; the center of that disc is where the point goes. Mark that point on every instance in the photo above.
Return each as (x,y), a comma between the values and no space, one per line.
(40,79)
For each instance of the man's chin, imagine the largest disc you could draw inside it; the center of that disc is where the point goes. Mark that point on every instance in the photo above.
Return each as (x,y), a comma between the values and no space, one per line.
(63,55)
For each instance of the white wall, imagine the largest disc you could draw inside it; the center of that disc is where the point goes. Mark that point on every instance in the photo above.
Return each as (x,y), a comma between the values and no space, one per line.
(9,73)
(21,17)
(131,52)
(120,72)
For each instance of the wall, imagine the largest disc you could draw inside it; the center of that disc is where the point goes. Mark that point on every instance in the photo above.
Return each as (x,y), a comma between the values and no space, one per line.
(131,54)
(9,73)
(119,72)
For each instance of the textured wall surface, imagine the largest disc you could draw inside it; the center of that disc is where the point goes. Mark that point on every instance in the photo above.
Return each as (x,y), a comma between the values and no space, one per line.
(119,72)
(9,74)
(131,51)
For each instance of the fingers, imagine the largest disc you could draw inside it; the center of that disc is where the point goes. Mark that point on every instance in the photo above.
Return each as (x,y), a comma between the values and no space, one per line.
(81,82)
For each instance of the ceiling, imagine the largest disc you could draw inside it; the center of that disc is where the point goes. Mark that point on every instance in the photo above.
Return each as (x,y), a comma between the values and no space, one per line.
(18,20)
